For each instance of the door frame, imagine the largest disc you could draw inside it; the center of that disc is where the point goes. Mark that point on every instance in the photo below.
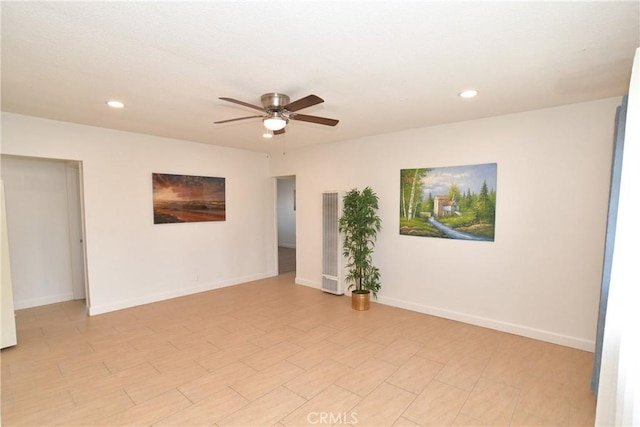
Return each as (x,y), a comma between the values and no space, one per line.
(77,231)
(276,179)
(82,254)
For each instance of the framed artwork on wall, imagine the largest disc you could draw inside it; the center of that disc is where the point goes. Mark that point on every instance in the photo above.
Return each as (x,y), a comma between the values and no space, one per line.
(187,198)
(456,202)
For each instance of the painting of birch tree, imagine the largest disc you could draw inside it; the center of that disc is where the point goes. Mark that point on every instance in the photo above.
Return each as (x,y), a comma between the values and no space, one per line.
(456,202)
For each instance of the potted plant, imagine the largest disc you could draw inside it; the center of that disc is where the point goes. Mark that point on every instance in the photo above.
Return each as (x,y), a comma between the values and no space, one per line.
(359,225)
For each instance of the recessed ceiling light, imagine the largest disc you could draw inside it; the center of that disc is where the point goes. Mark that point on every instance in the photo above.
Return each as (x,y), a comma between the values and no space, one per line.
(468,93)
(115,104)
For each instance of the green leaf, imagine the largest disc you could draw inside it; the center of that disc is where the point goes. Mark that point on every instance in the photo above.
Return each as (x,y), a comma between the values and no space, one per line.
(359,225)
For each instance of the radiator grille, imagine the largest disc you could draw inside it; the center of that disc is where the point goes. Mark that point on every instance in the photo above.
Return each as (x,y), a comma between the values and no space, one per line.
(329,284)
(331,245)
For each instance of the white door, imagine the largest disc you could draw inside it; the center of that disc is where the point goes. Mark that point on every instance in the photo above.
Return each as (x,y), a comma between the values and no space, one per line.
(76,235)
(8,329)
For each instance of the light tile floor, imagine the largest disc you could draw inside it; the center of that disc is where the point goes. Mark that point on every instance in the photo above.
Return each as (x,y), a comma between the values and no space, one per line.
(272,353)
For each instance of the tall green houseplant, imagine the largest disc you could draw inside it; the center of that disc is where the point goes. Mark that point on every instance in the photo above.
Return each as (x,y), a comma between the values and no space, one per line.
(359,225)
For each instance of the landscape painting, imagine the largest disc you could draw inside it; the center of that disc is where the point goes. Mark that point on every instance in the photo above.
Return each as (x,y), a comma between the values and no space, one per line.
(186,198)
(457,202)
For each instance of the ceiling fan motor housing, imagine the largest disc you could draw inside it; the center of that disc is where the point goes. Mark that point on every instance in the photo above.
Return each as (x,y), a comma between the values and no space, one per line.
(274,101)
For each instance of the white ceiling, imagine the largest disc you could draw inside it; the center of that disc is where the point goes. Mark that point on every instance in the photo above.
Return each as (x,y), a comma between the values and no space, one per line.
(380,66)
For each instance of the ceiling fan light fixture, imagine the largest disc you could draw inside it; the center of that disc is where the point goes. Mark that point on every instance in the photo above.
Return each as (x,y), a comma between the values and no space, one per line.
(274,122)
(267,134)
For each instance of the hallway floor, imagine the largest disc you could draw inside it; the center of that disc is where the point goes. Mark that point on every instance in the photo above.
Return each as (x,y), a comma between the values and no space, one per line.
(286,259)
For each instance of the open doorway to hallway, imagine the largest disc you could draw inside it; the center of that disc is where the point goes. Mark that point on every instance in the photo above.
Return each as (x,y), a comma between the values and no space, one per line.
(286,201)
(45,228)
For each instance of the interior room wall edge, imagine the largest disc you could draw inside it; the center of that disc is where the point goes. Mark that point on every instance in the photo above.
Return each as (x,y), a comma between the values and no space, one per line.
(162,296)
(484,322)
(34,302)
(495,324)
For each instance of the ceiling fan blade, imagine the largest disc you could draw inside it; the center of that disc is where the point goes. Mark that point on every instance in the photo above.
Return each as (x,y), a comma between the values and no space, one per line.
(314,119)
(234,120)
(246,104)
(278,132)
(305,102)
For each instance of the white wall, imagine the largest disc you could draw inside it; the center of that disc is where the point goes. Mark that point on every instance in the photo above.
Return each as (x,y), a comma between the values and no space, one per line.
(619,387)
(286,213)
(38,226)
(130,260)
(541,276)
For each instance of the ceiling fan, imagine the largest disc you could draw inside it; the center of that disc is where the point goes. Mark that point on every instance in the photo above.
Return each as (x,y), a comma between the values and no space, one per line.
(278,110)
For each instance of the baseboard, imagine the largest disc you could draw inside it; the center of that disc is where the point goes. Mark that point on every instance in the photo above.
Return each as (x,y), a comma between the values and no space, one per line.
(309,283)
(498,325)
(36,302)
(162,296)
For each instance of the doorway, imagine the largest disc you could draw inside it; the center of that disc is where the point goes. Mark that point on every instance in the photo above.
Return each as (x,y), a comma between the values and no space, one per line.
(286,213)
(45,225)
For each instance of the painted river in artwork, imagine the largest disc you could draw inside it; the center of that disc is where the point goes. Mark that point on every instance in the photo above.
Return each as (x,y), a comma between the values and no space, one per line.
(455,234)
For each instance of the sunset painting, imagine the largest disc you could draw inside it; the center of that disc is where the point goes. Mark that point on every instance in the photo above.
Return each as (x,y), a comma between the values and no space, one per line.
(185,198)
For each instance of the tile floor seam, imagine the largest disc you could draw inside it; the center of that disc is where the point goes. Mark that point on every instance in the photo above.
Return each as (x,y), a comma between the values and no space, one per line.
(386,381)
(124,390)
(293,391)
(199,364)
(185,396)
(150,362)
(515,407)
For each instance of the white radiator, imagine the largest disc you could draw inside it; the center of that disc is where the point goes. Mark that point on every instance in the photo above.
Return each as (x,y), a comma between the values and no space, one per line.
(332,259)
